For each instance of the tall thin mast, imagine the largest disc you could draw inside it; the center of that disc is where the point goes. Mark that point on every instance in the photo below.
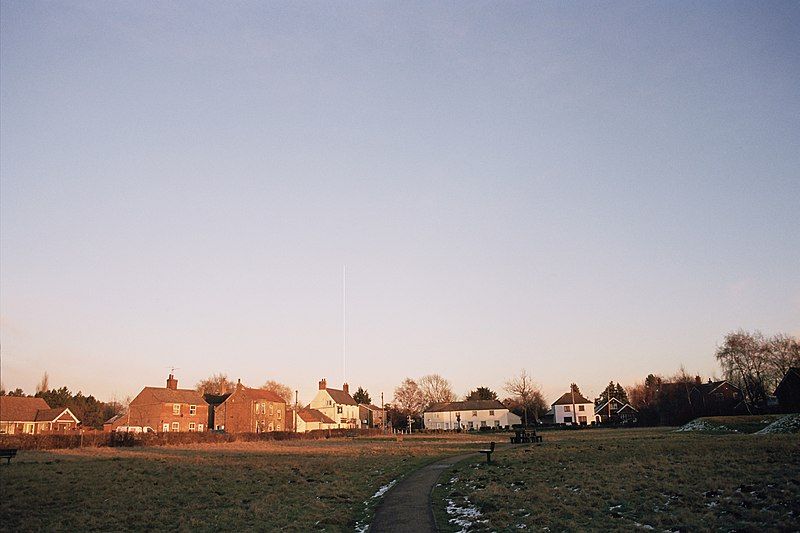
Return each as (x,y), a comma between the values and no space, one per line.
(344,323)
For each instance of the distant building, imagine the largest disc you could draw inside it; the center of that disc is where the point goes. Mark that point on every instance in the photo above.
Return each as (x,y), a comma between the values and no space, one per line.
(247,410)
(310,419)
(616,412)
(20,414)
(573,408)
(788,391)
(471,414)
(166,409)
(337,405)
(370,416)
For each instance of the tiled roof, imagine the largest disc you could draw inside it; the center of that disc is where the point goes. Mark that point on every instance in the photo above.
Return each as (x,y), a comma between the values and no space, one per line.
(469,405)
(370,406)
(165,395)
(313,415)
(341,397)
(263,394)
(567,399)
(49,415)
(20,409)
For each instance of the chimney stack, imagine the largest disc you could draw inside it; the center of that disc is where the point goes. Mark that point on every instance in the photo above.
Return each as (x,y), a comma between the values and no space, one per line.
(172,383)
(323,384)
(346,388)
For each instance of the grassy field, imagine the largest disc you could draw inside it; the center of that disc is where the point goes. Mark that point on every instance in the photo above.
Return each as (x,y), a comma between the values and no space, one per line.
(629,479)
(294,485)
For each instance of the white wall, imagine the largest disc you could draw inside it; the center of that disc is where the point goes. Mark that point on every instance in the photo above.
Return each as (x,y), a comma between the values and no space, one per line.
(325,404)
(563,412)
(488,417)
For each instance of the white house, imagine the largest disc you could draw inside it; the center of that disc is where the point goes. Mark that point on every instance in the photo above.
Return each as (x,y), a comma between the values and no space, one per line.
(311,419)
(471,414)
(337,405)
(573,408)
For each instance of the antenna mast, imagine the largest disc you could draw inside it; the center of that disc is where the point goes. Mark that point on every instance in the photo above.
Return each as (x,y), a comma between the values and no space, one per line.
(344,323)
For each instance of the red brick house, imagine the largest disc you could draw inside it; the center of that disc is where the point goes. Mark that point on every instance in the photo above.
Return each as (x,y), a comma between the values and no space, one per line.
(166,409)
(247,410)
(19,414)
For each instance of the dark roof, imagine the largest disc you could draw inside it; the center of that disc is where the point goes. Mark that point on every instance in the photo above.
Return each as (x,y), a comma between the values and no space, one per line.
(710,386)
(793,374)
(567,399)
(603,405)
(313,415)
(165,395)
(340,396)
(216,399)
(49,415)
(469,405)
(21,408)
(369,406)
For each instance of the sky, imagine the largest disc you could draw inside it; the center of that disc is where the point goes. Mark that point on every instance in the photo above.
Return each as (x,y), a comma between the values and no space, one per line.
(590,191)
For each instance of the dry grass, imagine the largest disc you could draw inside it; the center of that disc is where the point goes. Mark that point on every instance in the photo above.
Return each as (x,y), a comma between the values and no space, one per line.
(632,479)
(293,485)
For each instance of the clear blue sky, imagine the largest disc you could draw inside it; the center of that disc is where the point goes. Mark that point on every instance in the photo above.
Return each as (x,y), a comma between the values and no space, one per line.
(590,191)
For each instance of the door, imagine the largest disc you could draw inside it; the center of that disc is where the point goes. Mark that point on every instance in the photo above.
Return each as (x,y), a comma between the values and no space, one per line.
(165,428)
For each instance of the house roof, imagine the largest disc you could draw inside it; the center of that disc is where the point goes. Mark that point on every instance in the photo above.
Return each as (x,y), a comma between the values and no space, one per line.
(340,396)
(216,399)
(469,405)
(599,409)
(567,399)
(370,406)
(711,386)
(21,408)
(793,374)
(263,394)
(50,415)
(165,395)
(313,415)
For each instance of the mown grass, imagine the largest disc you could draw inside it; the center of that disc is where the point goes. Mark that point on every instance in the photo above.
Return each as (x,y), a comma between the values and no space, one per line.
(293,485)
(631,479)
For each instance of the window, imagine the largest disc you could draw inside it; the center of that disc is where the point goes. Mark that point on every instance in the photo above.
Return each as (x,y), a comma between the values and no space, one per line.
(176,408)
(271,409)
(491,412)
(581,407)
(192,427)
(338,409)
(165,428)
(199,427)
(278,427)
(566,409)
(192,410)
(474,413)
(568,420)
(279,414)
(176,426)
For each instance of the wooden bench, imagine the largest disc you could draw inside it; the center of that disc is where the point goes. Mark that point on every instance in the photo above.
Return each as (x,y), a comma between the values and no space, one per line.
(489,452)
(7,454)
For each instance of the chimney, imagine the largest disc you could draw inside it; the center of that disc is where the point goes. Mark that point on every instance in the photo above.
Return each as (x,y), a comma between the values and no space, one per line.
(239,384)
(346,388)
(323,384)
(172,383)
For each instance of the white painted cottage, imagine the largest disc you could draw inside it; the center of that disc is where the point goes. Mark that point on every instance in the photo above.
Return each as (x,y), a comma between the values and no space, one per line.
(572,408)
(472,414)
(337,405)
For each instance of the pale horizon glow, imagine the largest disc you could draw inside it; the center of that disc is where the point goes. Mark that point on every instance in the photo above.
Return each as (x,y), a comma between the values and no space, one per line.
(590,191)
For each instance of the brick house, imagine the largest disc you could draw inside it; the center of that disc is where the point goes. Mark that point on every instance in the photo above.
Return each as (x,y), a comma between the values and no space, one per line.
(337,405)
(247,410)
(166,409)
(370,416)
(20,414)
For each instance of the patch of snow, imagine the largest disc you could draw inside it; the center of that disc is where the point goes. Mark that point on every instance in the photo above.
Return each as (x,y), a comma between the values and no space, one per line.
(615,507)
(463,516)
(381,491)
(702,425)
(786,424)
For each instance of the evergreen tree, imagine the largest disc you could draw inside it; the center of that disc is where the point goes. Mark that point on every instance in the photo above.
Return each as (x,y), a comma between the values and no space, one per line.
(362,396)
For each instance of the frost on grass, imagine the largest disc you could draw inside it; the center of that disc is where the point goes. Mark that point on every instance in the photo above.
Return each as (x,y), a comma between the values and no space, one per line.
(363,527)
(787,424)
(703,425)
(464,516)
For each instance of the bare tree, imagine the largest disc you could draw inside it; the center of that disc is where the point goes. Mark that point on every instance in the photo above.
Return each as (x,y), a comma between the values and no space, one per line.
(436,389)
(280,389)
(408,397)
(526,392)
(216,384)
(744,362)
(782,353)
(44,384)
